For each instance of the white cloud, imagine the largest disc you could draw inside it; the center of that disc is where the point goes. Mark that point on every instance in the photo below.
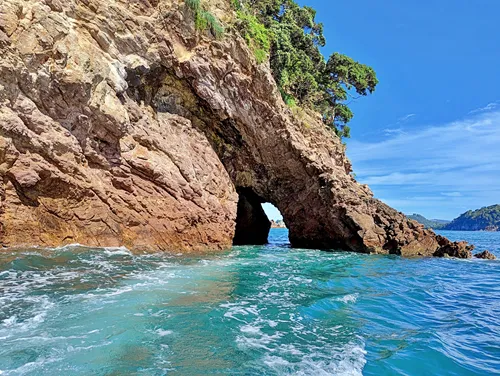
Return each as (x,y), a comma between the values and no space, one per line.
(396,128)
(396,178)
(452,166)
(451,194)
(489,107)
(392,131)
(406,118)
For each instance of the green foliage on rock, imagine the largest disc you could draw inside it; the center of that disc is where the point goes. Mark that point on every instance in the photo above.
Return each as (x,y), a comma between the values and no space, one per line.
(204,20)
(299,68)
(236,4)
(256,35)
(193,4)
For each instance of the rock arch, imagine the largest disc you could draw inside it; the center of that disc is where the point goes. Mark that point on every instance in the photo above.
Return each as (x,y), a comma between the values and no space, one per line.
(143,139)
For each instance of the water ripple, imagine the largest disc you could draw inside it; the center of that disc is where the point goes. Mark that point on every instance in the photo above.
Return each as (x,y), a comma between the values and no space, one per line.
(255,310)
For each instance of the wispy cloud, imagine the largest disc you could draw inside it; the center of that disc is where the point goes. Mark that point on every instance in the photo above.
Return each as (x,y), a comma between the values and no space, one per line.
(392,131)
(405,118)
(489,107)
(452,166)
(451,194)
(396,128)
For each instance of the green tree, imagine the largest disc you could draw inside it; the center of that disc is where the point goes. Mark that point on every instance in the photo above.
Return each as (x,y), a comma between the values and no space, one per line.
(299,68)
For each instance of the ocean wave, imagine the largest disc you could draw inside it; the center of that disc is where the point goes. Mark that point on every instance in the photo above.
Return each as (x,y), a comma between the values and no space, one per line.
(31,367)
(32,317)
(346,361)
(115,251)
(256,310)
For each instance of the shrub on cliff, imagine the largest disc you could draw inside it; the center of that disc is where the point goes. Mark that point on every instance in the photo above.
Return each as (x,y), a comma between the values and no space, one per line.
(256,35)
(204,20)
(299,68)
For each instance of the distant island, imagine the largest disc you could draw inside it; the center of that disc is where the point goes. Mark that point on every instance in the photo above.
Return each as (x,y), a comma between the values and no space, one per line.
(436,224)
(484,219)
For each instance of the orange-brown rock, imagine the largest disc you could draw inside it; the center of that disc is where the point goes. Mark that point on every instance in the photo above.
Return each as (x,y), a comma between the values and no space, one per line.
(83,162)
(453,249)
(122,125)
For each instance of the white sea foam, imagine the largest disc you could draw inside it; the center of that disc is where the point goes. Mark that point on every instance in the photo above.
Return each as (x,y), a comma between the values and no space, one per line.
(350,298)
(257,339)
(163,333)
(62,247)
(13,325)
(110,251)
(289,349)
(275,362)
(250,329)
(32,366)
(348,360)
(72,245)
(239,309)
(10,321)
(99,295)
(69,247)
(119,291)
(86,348)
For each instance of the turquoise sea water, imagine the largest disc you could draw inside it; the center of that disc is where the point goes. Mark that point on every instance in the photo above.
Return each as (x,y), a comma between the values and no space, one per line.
(253,311)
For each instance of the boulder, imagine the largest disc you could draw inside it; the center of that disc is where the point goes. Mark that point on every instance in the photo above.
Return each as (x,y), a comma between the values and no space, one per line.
(485,255)
(453,249)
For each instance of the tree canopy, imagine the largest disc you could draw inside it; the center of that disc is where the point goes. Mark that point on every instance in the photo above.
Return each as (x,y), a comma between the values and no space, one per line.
(290,36)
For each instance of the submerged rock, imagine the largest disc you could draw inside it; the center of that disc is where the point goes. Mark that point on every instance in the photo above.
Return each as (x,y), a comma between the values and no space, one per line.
(485,255)
(121,125)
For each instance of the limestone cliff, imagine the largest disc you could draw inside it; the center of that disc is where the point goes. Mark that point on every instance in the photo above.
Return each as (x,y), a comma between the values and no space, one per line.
(120,124)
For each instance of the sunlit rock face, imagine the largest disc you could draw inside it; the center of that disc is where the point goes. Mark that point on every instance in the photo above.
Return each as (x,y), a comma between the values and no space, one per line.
(122,125)
(83,158)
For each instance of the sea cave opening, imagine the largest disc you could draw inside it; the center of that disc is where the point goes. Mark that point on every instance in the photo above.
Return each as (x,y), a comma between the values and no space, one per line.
(254,219)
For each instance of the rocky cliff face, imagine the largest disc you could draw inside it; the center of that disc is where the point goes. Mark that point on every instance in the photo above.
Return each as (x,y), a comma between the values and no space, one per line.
(120,124)
(83,157)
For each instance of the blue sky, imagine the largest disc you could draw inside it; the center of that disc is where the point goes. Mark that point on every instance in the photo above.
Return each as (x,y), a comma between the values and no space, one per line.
(428,140)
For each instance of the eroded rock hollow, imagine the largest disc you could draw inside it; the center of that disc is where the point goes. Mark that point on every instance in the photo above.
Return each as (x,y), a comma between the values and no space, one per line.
(252,224)
(120,124)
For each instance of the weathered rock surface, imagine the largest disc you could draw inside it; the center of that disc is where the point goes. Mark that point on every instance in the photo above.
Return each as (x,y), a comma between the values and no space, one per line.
(485,255)
(453,249)
(119,124)
(82,161)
